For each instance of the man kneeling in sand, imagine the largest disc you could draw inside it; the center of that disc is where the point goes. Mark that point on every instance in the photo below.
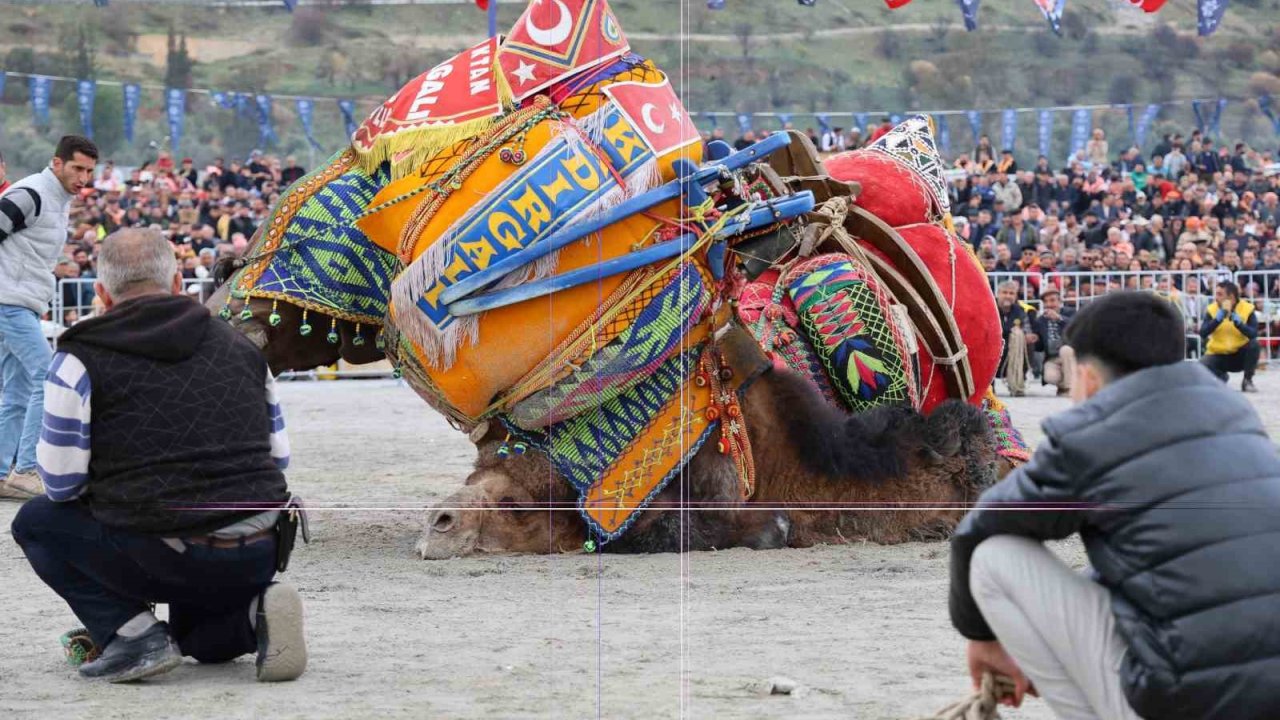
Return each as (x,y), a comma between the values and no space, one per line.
(162,458)
(1174,487)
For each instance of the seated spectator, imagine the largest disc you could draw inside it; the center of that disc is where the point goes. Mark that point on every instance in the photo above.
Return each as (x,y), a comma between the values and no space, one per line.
(1050,325)
(1179,605)
(1230,332)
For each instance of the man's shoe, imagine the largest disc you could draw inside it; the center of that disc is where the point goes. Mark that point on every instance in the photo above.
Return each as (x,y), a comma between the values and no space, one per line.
(128,659)
(1247,386)
(22,485)
(282,648)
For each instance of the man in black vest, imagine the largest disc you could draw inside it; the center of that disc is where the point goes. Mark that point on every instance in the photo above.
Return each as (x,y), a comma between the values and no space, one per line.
(162,457)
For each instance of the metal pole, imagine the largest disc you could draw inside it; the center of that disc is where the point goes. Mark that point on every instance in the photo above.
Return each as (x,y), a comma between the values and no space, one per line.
(493,18)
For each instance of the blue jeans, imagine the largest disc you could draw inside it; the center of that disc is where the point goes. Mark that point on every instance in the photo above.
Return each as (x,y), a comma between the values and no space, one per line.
(24,361)
(108,576)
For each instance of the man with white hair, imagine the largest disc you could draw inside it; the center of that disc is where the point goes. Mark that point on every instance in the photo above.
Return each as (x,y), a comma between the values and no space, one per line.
(162,456)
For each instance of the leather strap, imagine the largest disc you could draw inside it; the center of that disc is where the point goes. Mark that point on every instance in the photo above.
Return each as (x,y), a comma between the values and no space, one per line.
(223,543)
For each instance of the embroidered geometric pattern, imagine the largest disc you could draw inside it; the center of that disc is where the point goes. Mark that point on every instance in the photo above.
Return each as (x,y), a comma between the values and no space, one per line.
(769,315)
(323,262)
(911,144)
(1009,442)
(847,321)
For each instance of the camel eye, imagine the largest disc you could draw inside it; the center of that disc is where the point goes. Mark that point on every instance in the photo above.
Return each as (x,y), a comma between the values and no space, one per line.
(507,502)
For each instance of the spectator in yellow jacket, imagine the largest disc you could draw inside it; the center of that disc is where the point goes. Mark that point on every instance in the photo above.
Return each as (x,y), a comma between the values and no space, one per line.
(1230,331)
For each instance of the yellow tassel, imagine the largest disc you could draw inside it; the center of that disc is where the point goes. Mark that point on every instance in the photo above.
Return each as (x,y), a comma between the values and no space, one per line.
(409,149)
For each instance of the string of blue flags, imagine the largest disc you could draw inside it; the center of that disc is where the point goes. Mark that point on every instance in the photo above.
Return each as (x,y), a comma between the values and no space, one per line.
(259,108)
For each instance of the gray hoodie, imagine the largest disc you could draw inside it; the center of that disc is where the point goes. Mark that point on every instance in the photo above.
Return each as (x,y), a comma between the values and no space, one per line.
(33,230)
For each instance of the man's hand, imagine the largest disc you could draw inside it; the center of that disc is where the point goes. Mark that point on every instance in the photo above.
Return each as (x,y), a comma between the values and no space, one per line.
(990,657)
(1032,338)
(1228,305)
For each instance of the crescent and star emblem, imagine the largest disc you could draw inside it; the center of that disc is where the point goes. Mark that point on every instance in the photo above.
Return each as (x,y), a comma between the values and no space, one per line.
(552,36)
(646,113)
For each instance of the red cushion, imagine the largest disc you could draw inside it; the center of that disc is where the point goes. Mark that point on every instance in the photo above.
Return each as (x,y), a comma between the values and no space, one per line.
(889,191)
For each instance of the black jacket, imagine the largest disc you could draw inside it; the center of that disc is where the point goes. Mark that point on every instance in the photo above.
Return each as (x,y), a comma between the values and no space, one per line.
(1178,489)
(181,425)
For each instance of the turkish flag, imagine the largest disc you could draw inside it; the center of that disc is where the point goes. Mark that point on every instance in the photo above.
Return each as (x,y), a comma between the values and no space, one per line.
(656,113)
(895,4)
(482,4)
(1152,5)
(554,39)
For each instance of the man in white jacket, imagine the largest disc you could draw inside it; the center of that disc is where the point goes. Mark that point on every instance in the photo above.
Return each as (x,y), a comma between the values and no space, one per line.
(33,231)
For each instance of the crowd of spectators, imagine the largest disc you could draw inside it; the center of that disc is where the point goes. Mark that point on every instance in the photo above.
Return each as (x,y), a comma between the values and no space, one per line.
(205,213)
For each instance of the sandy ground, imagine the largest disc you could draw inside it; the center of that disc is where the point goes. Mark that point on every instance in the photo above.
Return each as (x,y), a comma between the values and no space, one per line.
(863,627)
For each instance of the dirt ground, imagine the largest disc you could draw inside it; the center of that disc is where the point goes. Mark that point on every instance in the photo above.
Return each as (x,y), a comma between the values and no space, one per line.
(864,628)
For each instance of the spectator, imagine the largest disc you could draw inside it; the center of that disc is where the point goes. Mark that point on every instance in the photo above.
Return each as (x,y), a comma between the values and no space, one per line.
(1230,332)
(1017,337)
(1050,327)
(291,172)
(1096,149)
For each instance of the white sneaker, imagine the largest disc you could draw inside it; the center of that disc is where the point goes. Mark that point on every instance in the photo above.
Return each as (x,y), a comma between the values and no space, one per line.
(22,485)
(282,647)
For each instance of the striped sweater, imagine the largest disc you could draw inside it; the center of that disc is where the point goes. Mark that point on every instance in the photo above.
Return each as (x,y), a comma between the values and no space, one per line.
(63,455)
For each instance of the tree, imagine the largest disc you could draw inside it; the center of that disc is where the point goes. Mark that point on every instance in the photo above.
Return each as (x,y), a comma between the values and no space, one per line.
(178,63)
(84,61)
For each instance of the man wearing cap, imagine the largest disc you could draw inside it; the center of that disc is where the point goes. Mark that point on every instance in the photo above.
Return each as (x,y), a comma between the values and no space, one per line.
(1050,328)
(1230,332)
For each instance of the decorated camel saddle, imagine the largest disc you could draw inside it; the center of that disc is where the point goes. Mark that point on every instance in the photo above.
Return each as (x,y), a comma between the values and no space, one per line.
(531,234)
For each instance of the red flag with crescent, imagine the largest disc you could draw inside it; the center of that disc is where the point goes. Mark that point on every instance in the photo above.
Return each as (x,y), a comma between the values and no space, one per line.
(554,39)
(656,113)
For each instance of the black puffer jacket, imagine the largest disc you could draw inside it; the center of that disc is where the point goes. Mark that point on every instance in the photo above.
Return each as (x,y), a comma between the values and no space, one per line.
(1182,524)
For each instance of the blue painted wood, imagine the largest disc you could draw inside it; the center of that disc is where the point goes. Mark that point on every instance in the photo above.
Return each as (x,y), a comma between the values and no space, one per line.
(761,215)
(638,204)
(718,150)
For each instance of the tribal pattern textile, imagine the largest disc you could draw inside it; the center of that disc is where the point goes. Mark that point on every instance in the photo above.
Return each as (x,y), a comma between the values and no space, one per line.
(632,356)
(624,452)
(910,143)
(847,318)
(767,311)
(313,257)
(1009,442)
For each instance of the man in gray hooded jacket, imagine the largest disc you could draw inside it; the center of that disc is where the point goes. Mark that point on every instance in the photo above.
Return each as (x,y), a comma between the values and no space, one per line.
(33,231)
(1174,487)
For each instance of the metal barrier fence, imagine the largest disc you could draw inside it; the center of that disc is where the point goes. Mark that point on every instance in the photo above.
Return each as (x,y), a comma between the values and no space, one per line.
(1191,291)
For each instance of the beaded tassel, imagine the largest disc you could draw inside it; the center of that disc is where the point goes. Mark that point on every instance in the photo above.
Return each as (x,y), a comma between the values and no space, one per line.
(305,328)
(358,339)
(274,317)
(333,331)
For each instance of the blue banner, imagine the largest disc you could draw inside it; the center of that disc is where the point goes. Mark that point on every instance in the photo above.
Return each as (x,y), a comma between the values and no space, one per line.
(744,122)
(266,133)
(3,77)
(1081,126)
(85,92)
(1008,129)
(175,103)
(975,124)
(223,99)
(1144,124)
(1209,14)
(944,135)
(860,122)
(40,87)
(1266,104)
(289,4)
(1046,133)
(348,109)
(824,123)
(895,118)
(306,108)
(132,99)
(241,102)
(969,8)
(711,4)
(1217,117)
(1133,127)
(1195,109)
(783,120)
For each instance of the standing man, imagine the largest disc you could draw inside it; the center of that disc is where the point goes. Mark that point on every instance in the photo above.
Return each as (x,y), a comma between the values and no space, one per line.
(33,231)
(1230,332)
(150,501)
(1018,335)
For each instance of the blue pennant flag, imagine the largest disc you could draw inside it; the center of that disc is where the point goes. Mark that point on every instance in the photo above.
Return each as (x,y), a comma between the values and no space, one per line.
(1217,117)
(348,110)
(176,109)
(783,120)
(824,123)
(306,107)
(3,77)
(291,4)
(944,135)
(1133,126)
(975,124)
(85,92)
(1195,109)
(1210,14)
(1052,10)
(266,133)
(241,102)
(222,99)
(40,87)
(1144,124)
(1265,103)
(895,118)
(132,99)
(100,3)
(1081,125)
(1046,132)
(860,121)
(969,8)
(1008,129)
(807,3)
(744,122)
(711,4)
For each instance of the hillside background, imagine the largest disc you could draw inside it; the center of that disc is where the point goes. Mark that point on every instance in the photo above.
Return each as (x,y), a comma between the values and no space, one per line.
(756,56)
